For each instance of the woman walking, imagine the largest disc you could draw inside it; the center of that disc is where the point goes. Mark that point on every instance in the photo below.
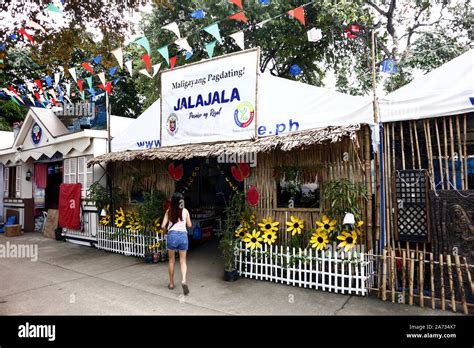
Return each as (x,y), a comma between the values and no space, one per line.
(175,222)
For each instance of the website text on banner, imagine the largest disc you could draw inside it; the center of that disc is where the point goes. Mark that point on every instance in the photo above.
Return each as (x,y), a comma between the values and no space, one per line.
(210,101)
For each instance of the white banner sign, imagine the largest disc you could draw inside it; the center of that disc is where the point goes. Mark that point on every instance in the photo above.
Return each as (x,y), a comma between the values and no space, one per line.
(210,101)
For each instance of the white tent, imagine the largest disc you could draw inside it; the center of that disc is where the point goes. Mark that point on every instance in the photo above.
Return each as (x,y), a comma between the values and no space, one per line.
(142,133)
(285,105)
(444,91)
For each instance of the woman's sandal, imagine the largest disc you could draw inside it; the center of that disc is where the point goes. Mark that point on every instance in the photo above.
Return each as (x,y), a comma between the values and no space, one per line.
(171,287)
(185,289)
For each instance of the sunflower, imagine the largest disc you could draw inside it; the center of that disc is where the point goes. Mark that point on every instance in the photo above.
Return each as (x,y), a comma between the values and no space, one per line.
(157,226)
(240,232)
(319,240)
(295,226)
(348,240)
(358,227)
(105,220)
(253,240)
(269,237)
(326,225)
(119,217)
(267,225)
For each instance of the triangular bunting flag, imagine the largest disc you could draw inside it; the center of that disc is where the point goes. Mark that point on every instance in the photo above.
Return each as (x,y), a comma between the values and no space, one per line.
(145,72)
(48,80)
(79,84)
(34,25)
(92,92)
(72,71)
(57,77)
(53,93)
(53,8)
(314,35)
(118,55)
(46,96)
(172,27)
(183,44)
(239,39)
(128,64)
(189,54)
(97,59)
(143,41)
(237,3)
(165,53)
(23,32)
(14,100)
(239,16)
(173,62)
(298,13)
(156,68)
(30,86)
(116,81)
(146,59)
(83,95)
(112,71)
(89,81)
(198,14)
(68,89)
(88,67)
(39,84)
(22,88)
(101,76)
(210,48)
(31,99)
(213,29)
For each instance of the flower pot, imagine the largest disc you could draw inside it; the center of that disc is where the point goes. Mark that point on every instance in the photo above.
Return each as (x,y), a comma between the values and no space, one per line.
(156,257)
(231,276)
(148,258)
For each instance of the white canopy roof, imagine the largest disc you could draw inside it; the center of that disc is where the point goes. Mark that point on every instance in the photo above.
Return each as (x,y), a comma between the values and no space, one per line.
(142,133)
(444,91)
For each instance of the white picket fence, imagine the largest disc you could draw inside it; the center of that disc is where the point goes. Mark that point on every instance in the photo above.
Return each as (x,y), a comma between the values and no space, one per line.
(123,241)
(334,271)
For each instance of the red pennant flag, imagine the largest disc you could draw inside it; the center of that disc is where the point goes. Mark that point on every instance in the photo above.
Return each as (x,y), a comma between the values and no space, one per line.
(39,84)
(79,84)
(351,33)
(88,67)
(146,59)
(14,91)
(54,101)
(23,32)
(298,13)
(173,62)
(107,87)
(237,3)
(37,96)
(240,16)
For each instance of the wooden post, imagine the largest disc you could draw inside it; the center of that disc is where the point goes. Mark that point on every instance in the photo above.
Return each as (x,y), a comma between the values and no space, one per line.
(421,279)
(446,156)
(403,145)
(368,184)
(432,284)
(412,274)
(468,272)
(415,131)
(441,266)
(440,156)
(460,153)
(412,146)
(392,264)
(384,275)
(451,286)
(461,284)
(465,152)
(453,164)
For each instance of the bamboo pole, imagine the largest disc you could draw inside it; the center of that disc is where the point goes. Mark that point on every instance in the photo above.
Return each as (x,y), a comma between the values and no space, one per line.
(429,148)
(468,272)
(413,164)
(441,269)
(368,184)
(421,279)
(402,144)
(412,274)
(451,286)
(388,171)
(432,283)
(453,163)
(417,143)
(440,156)
(446,156)
(461,284)
(404,265)
(460,153)
(393,274)
(384,275)
(465,153)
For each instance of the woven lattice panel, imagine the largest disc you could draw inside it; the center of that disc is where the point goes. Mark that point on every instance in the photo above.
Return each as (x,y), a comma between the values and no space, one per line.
(411,205)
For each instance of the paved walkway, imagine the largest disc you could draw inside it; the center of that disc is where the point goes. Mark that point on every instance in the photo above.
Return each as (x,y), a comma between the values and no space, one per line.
(74,279)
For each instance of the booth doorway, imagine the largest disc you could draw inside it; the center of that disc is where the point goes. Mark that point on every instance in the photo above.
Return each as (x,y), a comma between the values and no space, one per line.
(54,179)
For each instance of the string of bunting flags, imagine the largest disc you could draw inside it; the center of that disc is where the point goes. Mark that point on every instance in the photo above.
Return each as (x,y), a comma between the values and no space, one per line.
(47,95)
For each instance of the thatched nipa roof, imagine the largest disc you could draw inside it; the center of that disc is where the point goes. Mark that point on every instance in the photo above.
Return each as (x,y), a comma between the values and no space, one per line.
(287,142)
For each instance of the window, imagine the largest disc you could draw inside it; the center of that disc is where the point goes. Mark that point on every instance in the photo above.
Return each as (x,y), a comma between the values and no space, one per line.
(297,193)
(12,182)
(77,172)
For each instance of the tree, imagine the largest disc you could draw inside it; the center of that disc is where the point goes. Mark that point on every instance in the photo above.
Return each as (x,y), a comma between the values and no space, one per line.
(11,112)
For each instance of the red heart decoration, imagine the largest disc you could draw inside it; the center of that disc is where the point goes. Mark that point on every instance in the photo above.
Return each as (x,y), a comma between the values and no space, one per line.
(236,174)
(171,170)
(252,196)
(178,172)
(244,169)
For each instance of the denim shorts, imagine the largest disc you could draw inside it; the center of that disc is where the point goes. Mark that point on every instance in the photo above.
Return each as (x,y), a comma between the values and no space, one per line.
(177,240)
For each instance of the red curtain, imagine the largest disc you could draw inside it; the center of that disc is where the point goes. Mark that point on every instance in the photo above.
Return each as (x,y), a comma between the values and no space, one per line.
(41,171)
(70,206)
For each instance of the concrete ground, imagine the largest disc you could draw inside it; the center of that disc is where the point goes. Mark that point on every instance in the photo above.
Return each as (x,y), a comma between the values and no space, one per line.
(73,279)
